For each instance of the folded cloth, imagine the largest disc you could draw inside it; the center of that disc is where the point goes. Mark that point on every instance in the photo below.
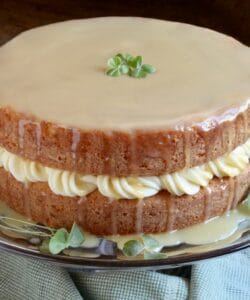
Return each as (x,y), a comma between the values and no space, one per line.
(222,278)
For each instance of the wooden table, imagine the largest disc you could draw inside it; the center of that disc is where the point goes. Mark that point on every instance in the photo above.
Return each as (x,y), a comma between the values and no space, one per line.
(231,16)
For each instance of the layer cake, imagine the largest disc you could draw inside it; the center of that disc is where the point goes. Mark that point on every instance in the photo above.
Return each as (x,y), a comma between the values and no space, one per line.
(123,155)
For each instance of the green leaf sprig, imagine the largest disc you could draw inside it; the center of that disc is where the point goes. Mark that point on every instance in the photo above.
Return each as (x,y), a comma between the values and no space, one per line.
(25,228)
(62,239)
(147,246)
(126,64)
(53,241)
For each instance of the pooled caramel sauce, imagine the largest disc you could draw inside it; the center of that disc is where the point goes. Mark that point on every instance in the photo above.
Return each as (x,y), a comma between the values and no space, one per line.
(212,234)
(213,230)
(8,212)
(57,73)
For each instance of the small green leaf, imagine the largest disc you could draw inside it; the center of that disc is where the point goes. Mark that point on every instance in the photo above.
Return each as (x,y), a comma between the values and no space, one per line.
(132,248)
(76,237)
(125,57)
(128,57)
(135,62)
(124,69)
(114,61)
(122,57)
(122,64)
(138,73)
(154,255)
(150,243)
(148,68)
(138,61)
(111,63)
(115,72)
(58,241)
(117,60)
(45,246)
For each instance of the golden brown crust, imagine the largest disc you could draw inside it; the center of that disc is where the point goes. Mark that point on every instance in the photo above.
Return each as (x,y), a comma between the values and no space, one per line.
(102,216)
(120,153)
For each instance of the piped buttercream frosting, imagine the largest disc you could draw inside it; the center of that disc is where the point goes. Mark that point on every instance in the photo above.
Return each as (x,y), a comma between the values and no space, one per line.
(71,184)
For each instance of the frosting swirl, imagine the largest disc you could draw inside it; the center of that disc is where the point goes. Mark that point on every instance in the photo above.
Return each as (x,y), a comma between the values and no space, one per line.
(21,169)
(186,181)
(231,164)
(71,184)
(128,187)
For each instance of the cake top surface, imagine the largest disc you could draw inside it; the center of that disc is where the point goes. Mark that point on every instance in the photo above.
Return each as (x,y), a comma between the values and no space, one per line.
(57,73)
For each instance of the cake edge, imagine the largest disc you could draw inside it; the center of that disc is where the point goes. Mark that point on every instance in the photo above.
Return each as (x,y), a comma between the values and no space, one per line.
(120,152)
(102,216)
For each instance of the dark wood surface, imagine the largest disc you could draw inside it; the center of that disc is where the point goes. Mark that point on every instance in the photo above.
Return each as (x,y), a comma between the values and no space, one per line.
(228,16)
